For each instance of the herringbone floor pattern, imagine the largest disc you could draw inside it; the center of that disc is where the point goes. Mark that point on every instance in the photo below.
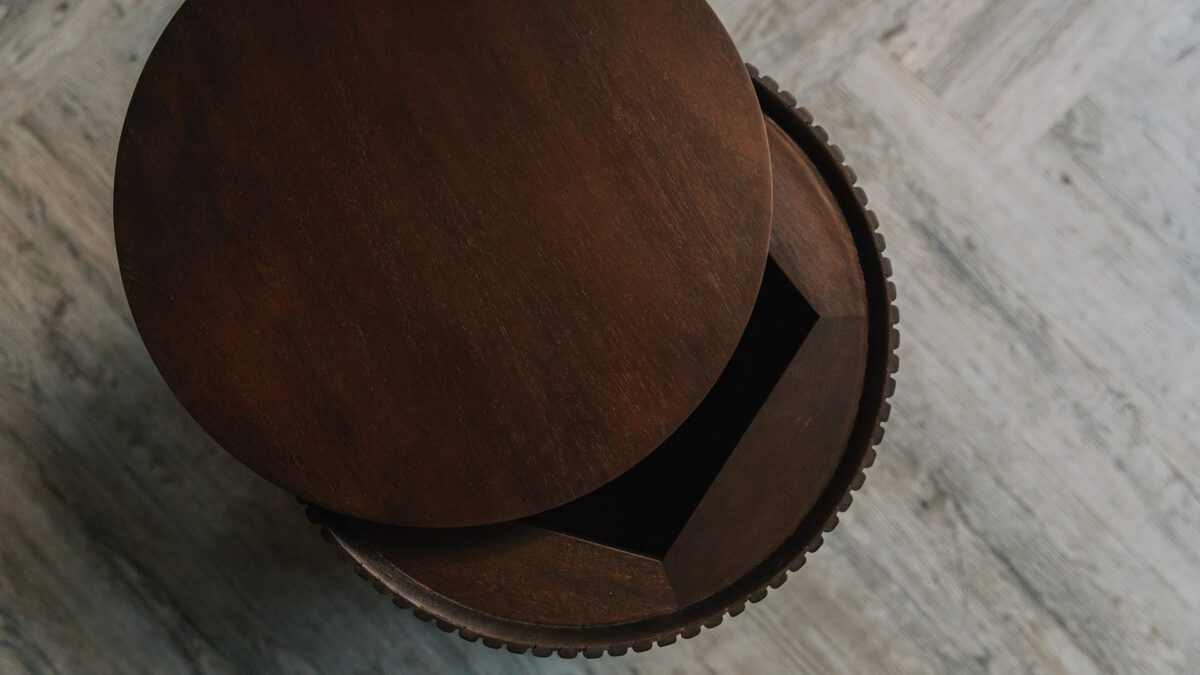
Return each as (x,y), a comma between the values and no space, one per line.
(1036,503)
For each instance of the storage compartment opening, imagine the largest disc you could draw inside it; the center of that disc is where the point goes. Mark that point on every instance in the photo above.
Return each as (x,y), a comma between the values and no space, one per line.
(644,510)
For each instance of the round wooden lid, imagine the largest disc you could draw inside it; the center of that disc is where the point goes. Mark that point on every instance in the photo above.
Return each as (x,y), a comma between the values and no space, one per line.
(710,520)
(437,266)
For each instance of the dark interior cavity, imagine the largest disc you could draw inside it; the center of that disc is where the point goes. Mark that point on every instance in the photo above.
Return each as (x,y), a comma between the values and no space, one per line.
(644,510)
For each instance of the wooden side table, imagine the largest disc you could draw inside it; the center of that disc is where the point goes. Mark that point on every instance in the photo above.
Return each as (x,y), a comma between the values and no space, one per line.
(573,333)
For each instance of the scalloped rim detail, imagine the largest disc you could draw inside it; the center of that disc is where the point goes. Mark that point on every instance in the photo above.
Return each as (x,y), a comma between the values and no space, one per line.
(692,629)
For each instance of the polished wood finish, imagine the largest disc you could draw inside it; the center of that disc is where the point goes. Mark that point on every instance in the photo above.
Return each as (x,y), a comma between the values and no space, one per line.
(512,571)
(540,589)
(810,239)
(438,267)
(785,460)
(580,369)
(1030,511)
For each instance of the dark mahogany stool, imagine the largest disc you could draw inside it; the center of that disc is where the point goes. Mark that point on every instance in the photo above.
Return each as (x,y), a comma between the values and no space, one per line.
(573,333)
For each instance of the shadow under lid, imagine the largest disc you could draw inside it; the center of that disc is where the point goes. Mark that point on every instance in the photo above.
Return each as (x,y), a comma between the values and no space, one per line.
(644,510)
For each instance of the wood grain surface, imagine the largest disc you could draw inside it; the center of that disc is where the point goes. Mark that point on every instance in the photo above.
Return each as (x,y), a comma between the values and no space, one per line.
(1035,503)
(733,501)
(438,267)
(786,453)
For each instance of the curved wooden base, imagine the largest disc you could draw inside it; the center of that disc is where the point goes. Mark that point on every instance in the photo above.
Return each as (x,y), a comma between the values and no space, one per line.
(756,491)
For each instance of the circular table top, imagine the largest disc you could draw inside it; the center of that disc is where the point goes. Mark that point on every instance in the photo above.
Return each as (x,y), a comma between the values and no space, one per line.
(438,266)
(569,583)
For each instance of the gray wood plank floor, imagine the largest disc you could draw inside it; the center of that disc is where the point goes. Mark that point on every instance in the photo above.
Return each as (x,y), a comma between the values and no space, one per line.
(1036,504)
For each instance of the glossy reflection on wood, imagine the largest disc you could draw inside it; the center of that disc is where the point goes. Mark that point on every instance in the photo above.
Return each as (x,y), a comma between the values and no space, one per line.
(440,267)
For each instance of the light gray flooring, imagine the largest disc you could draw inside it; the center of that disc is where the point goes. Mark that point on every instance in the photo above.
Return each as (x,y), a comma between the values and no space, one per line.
(1036,504)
